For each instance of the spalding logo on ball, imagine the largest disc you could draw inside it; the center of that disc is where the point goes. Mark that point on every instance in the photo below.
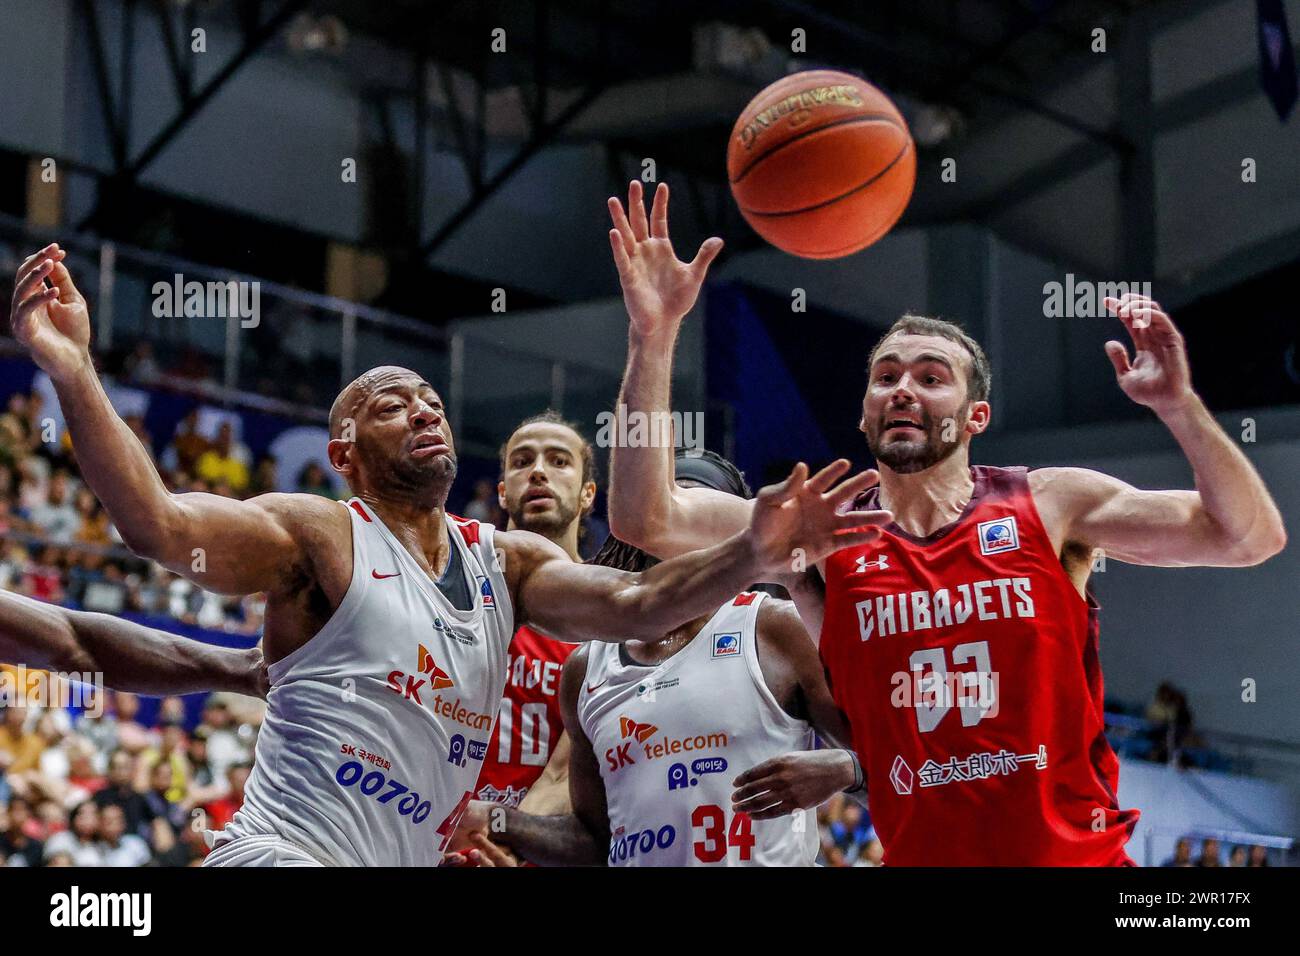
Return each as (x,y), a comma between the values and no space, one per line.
(821,164)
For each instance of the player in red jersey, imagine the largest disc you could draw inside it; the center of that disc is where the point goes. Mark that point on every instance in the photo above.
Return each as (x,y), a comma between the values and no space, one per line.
(547,486)
(962,643)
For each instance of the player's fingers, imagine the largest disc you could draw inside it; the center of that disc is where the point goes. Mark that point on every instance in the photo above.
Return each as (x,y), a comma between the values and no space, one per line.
(853,487)
(34,276)
(786,489)
(636,210)
(1118,356)
(756,772)
(621,259)
(489,853)
(455,859)
(62,280)
(754,790)
(828,475)
(659,213)
(709,250)
(619,217)
(779,808)
(51,251)
(27,308)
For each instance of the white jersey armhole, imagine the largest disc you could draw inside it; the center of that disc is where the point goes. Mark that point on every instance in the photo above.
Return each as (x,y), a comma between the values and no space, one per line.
(771,706)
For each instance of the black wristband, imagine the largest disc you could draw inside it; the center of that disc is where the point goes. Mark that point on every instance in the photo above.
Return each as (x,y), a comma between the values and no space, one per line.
(859,779)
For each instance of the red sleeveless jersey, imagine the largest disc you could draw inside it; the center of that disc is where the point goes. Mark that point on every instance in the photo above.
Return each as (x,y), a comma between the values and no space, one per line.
(529,723)
(967,665)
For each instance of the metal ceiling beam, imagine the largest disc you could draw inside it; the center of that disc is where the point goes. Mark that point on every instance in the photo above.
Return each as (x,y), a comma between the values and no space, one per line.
(254,40)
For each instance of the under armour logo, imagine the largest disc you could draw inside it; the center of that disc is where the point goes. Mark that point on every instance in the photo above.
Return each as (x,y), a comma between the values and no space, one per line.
(881,562)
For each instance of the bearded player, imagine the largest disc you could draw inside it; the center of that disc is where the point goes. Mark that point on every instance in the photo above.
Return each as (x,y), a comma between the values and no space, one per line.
(547,486)
(384,653)
(962,645)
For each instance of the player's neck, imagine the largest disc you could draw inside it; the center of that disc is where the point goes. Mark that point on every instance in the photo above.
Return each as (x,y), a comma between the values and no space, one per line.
(420,527)
(656,652)
(925,501)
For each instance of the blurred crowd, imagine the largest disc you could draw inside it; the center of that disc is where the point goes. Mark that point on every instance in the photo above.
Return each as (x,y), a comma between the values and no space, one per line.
(83,790)
(847,836)
(57,543)
(1211,854)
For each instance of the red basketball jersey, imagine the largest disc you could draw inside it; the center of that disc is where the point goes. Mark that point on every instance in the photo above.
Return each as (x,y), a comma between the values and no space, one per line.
(529,723)
(967,665)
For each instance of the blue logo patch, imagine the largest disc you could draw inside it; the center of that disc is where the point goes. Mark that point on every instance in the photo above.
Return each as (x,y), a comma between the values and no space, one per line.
(485,589)
(998,535)
(726,645)
(679,779)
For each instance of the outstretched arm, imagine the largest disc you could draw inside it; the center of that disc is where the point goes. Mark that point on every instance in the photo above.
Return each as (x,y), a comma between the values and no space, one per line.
(234,547)
(130,657)
(794,522)
(646,508)
(1230,520)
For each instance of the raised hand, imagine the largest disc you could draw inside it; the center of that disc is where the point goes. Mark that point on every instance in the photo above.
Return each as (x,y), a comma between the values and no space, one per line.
(658,288)
(51,322)
(1158,376)
(801,521)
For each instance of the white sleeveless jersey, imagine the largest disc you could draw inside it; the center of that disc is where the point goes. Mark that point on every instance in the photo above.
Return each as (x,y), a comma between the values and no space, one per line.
(671,738)
(376,728)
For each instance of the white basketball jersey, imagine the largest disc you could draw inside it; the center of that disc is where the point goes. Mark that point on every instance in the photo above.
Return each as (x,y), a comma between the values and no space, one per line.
(376,728)
(671,738)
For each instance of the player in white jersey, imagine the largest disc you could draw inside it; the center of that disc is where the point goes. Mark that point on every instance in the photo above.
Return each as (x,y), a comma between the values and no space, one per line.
(661,728)
(387,621)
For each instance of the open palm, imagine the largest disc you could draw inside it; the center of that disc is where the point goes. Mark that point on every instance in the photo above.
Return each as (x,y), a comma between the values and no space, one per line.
(1158,375)
(802,519)
(658,288)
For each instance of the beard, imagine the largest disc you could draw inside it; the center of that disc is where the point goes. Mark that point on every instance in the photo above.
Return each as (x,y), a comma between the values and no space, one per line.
(411,478)
(909,457)
(548,523)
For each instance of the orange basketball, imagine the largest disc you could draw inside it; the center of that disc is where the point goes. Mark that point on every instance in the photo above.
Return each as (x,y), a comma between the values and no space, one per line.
(821,164)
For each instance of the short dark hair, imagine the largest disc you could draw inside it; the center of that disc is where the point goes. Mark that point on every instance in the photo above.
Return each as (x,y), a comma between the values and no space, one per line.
(623,557)
(552,417)
(980,379)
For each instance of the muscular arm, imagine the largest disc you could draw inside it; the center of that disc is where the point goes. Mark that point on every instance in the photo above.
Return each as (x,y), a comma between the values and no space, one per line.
(585,602)
(581,837)
(129,656)
(646,508)
(1230,520)
(228,546)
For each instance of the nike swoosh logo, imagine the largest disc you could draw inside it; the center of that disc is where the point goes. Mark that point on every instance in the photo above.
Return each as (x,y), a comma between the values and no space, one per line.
(592,690)
(379,577)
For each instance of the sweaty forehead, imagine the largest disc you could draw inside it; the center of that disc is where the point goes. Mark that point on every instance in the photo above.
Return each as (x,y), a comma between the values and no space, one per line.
(383,378)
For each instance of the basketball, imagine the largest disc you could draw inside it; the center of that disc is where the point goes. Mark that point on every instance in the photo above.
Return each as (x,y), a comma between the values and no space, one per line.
(821,164)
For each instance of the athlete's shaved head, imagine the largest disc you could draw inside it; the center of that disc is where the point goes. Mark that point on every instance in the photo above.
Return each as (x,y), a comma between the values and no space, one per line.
(361,388)
(389,436)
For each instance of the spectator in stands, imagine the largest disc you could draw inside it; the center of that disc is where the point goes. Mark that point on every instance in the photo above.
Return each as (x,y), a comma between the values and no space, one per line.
(20,746)
(220,811)
(43,578)
(120,847)
(483,506)
(1258,856)
(872,853)
(1171,718)
(312,481)
(227,461)
(189,444)
(56,517)
(93,525)
(20,844)
(1237,856)
(1182,853)
(167,849)
(140,367)
(121,792)
(224,748)
(266,476)
(1209,853)
(81,841)
(851,831)
(161,796)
